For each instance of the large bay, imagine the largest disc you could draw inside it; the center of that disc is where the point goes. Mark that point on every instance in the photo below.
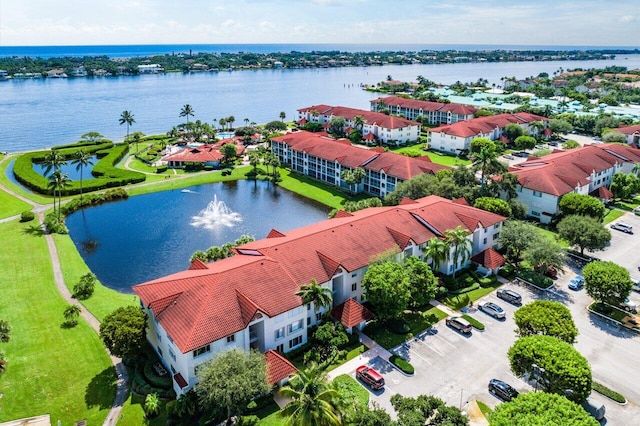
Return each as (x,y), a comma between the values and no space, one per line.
(37,114)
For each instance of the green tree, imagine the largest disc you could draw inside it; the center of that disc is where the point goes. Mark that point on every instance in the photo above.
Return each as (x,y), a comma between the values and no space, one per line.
(135,138)
(558,125)
(585,232)
(151,405)
(512,131)
(337,125)
(313,399)
(85,287)
(438,251)
(92,136)
(422,282)
(544,253)
(516,237)
(525,142)
(545,317)
(493,205)
(231,380)
(126,117)
(607,282)
(229,151)
(486,161)
(623,185)
(274,126)
(187,403)
(53,161)
(614,137)
(5,331)
(457,238)
(187,111)
(477,144)
(387,288)
(81,159)
(314,293)
(57,182)
(540,408)
(358,123)
(581,204)
(123,331)
(564,367)
(426,410)
(71,314)
(374,416)
(570,144)
(605,121)
(283,115)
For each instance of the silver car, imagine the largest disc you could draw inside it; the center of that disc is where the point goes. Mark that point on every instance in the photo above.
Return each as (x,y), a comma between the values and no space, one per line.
(492,309)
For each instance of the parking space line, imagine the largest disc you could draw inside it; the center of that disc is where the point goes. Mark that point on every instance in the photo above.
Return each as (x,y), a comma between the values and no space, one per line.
(421,357)
(430,347)
(441,338)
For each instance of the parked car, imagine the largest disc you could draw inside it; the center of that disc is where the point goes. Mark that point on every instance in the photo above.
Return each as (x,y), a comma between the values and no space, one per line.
(597,412)
(620,226)
(629,306)
(636,211)
(509,296)
(521,154)
(492,309)
(509,157)
(370,376)
(576,283)
(460,324)
(550,271)
(636,286)
(553,143)
(541,147)
(502,390)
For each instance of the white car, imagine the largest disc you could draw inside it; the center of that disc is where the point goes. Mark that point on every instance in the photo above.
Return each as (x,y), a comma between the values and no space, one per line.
(492,309)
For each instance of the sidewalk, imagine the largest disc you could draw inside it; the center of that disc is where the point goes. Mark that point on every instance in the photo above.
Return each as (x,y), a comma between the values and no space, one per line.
(374,351)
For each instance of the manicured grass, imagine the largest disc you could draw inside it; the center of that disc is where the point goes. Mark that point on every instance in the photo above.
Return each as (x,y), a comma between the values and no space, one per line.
(141,166)
(51,369)
(37,198)
(457,302)
(269,416)
(611,394)
(353,351)
(417,322)
(553,236)
(612,312)
(352,390)
(307,187)
(612,215)
(627,205)
(132,413)
(11,206)
(484,409)
(447,160)
(104,300)
(412,150)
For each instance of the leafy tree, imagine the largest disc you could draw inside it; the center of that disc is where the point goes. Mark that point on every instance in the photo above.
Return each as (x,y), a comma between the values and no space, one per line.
(422,282)
(85,287)
(545,317)
(585,232)
(525,142)
(457,238)
(512,131)
(607,282)
(71,314)
(231,380)
(92,136)
(570,144)
(123,331)
(387,288)
(623,185)
(540,408)
(518,209)
(504,186)
(478,143)
(151,405)
(126,117)
(313,292)
(493,205)
(603,122)
(581,204)
(438,251)
(331,334)
(564,367)
(187,111)
(558,125)
(426,410)
(230,151)
(5,331)
(81,159)
(486,161)
(374,416)
(337,125)
(544,253)
(614,137)
(187,403)
(273,126)
(483,112)
(313,399)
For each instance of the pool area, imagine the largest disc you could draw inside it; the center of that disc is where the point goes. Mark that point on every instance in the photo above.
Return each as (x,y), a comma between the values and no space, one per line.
(225,135)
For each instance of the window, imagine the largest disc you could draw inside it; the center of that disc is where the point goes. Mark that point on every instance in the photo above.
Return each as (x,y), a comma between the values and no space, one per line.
(295,342)
(535,213)
(537,194)
(170,339)
(202,350)
(496,226)
(293,327)
(308,321)
(355,274)
(280,348)
(484,241)
(354,286)
(496,236)
(172,355)
(159,351)
(319,316)
(296,311)
(231,339)
(158,336)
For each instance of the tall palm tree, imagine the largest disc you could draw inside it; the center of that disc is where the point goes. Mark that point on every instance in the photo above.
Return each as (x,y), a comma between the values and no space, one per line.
(5,331)
(316,294)
(186,111)
(313,399)
(438,250)
(230,120)
(358,122)
(246,121)
(136,137)
(457,238)
(487,162)
(81,159)
(53,161)
(127,118)
(283,115)
(58,181)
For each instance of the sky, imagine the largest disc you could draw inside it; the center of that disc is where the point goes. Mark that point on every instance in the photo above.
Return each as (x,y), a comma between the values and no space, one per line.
(514,22)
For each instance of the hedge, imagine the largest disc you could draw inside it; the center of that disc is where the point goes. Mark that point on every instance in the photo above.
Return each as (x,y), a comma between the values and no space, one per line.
(141,387)
(402,364)
(611,394)
(153,379)
(27,216)
(535,278)
(81,144)
(474,322)
(94,199)
(472,287)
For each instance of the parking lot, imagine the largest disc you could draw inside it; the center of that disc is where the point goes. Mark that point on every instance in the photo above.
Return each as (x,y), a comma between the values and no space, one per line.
(457,368)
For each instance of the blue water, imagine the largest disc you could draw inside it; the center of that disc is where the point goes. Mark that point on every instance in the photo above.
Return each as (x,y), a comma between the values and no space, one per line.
(127,51)
(148,236)
(37,114)
(70,169)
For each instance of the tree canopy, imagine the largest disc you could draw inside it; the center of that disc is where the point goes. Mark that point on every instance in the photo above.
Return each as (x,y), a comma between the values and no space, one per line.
(564,367)
(493,205)
(540,408)
(623,185)
(422,282)
(545,317)
(607,282)
(543,253)
(525,142)
(558,125)
(581,204)
(231,380)
(426,410)
(123,331)
(387,288)
(516,237)
(586,232)
(512,131)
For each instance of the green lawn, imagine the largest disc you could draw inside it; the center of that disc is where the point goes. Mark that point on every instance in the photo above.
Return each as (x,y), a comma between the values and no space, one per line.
(435,156)
(553,236)
(269,416)
(51,369)
(132,413)
(10,206)
(310,188)
(353,351)
(612,215)
(37,198)
(417,322)
(484,408)
(459,301)
(104,300)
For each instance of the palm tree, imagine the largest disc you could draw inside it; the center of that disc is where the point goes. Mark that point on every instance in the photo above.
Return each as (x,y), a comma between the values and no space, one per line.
(438,250)
(313,399)
(215,123)
(5,331)
(53,161)
(230,120)
(151,405)
(457,238)
(316,294)
(246,121)
(487,162)
(358,122)
(186,111)
(283,115)
(3,363)
(58,181)
(81,159)
(136,136)
(71,314)
(126,118)
(223,123)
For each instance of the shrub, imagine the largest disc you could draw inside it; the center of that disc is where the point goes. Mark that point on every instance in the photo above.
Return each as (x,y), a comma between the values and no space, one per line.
(398,327)
(507,271)
(27,216)
(402,364)
(472,287)
(474,322)
(611,394)
(161,169)
(442,291)
(535,278)
(153,379)
(53,225)
(85,287)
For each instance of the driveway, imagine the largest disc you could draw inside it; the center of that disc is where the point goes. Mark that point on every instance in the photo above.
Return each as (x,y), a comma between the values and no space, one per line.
(624,248)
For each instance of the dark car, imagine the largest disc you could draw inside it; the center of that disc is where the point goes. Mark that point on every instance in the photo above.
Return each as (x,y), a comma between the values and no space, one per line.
(502,390)
(370,376)
(509,296)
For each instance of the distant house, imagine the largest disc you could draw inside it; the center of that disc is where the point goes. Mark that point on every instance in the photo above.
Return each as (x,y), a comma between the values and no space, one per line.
(4,75)
(588,170)
(150,69)
(387,129)
(458,136)
(248,301)
(56,73)
(632,133)
(321,157)
(434,112)
(204,154)
(79,72)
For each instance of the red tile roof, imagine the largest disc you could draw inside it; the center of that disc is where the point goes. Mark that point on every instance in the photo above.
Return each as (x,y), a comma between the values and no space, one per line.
(427,106)
(485,125)
(370,117)
(199,306)
(402,166)
(562,171)
(350,313)
(489,258)
(629,130)
(602,193)
(202,154)
(278,367)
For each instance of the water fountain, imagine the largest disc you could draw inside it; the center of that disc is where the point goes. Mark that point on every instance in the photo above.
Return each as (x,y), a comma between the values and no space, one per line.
(216,214)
